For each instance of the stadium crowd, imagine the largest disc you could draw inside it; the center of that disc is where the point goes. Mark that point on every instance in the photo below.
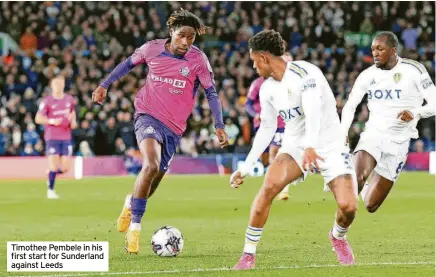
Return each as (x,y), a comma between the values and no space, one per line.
(86,40)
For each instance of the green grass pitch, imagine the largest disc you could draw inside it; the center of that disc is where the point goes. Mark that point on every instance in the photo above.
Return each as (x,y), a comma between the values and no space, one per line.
(398,240)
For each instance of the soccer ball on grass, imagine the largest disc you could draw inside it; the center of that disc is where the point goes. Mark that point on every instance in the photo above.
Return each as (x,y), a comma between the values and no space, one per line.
(167,241)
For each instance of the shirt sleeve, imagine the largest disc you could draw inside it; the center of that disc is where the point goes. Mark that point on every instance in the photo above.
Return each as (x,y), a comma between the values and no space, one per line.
(311,98)
(354,98)
(264,135)
(205,75)
(428,91)
(138,57)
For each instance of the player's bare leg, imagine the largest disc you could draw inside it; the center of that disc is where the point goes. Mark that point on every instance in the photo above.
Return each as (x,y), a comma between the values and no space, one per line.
(65,165)
(156,182)
(151,151)
(281,172)
(264,159)
(376,192)
(273,150)
(284,194)
(54,162)
(364,164)
(344,189)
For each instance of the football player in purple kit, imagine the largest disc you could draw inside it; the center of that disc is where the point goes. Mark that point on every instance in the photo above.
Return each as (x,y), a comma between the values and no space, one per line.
(163,105)
(56,113)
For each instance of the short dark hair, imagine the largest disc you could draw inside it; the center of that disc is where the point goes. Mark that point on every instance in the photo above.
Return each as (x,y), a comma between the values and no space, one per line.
(392,38)
(268,41)
(185,18)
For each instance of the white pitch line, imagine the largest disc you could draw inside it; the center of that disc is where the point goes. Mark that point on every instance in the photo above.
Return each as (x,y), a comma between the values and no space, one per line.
(219,269)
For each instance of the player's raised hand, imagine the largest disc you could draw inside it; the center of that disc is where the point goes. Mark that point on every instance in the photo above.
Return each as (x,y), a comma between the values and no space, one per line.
(99,95)
(310,159)
(236,179)
(222,137)
(406,116)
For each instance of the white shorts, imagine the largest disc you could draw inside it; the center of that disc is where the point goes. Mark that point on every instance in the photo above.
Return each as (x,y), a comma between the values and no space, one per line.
(337,162)
(390,156)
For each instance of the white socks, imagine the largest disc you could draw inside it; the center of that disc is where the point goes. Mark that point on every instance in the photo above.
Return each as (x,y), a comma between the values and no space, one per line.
(339,232)
(252,238)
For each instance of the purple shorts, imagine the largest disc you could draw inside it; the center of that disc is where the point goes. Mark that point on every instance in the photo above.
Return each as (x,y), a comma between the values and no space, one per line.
(58,147)
(147,126)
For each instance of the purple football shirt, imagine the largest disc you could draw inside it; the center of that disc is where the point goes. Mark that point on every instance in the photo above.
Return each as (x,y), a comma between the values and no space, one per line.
(172,82)
(57,108)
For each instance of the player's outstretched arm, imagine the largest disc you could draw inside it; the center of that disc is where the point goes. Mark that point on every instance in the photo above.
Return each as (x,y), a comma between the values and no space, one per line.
(264,135)
(215,107)
(205,75)
(99,95)
(139,57)
(353,101)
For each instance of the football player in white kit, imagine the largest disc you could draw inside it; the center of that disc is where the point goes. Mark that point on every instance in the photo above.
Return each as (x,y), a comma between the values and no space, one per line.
(396,88)
(300,94)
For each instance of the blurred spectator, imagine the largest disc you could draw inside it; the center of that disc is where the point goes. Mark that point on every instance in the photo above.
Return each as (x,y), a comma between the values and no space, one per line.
(132,162)
(187,144)
(241,146)
(28,42)
(366,26)
(232,131)
(16,136)
(28,150)
(418,146)
(410,36)
(30,136)
(84,150)
(39,148)
(120,147)
(126,130)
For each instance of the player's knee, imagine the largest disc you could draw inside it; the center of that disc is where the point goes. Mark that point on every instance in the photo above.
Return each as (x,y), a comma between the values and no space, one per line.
(348,206)
(151,169)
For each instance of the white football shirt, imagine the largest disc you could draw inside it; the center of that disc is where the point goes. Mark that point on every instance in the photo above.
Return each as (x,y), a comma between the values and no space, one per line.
(404,87)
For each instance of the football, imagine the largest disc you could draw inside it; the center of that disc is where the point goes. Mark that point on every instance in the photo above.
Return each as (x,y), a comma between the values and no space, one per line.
(167,241)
